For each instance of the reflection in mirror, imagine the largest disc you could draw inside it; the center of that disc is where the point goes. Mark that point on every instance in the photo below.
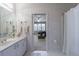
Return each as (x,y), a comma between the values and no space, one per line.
(11,25)
(7,24)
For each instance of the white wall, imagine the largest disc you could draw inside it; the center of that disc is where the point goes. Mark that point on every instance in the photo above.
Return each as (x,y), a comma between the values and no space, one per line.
(55,22)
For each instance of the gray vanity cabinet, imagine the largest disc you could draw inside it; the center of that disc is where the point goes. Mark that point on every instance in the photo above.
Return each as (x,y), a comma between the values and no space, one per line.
(11,51)
(17,49)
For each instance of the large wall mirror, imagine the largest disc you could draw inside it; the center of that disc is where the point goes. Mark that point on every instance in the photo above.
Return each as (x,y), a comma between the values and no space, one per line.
(7,23)
(11,24)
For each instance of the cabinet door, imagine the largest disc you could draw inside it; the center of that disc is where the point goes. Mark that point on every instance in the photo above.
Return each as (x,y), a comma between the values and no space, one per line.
(25,45)
(11,51)
(19,48)
(0,54)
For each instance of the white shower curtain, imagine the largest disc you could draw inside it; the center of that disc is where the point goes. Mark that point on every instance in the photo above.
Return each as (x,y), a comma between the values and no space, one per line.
(71,31)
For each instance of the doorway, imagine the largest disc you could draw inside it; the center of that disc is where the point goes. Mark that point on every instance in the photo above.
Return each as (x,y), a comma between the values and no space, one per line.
(39,31)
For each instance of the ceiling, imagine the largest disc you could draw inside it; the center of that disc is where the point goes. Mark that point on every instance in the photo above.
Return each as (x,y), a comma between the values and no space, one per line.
(64,6)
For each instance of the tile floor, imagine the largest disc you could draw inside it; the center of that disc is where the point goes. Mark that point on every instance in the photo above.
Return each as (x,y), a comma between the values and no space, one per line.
(53,53)
(41,46)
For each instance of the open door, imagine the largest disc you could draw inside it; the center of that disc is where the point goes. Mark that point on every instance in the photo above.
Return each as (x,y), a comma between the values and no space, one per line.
(39,31)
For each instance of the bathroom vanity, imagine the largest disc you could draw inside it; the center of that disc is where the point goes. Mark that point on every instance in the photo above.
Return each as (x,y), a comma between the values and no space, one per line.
(13,40)
(16,47)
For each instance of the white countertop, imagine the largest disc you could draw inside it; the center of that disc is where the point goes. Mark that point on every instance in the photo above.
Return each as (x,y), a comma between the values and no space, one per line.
(10,43)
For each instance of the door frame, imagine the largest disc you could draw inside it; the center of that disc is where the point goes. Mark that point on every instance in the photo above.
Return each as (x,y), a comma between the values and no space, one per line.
(46,29)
